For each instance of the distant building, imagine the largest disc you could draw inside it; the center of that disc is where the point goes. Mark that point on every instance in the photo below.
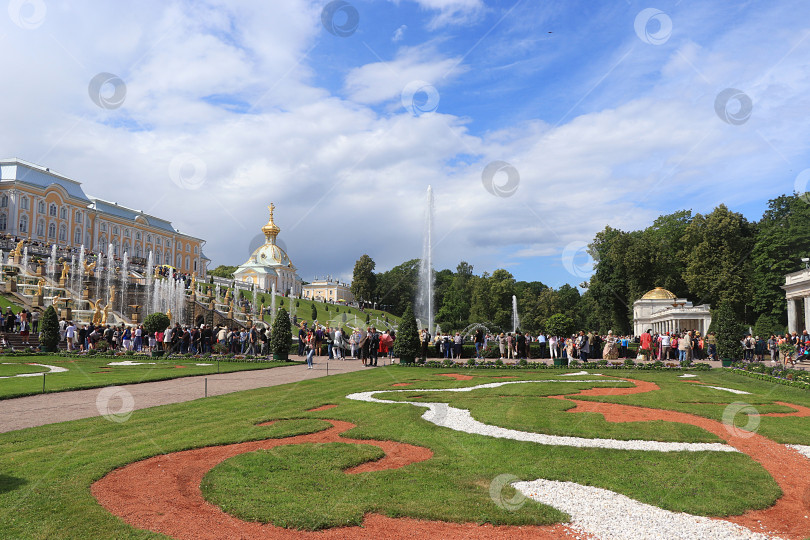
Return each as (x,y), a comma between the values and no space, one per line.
(328,290)
(797,294)
(270,265)
(661,311)
(47,208)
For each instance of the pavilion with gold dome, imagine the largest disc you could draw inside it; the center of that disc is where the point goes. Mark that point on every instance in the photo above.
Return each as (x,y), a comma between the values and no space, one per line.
(661,311)
(270,265)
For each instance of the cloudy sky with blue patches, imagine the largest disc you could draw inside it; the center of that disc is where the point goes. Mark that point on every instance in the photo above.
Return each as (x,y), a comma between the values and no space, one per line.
(342,113)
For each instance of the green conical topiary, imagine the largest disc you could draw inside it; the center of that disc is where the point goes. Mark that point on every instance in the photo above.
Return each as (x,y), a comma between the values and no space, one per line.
(406,346)
(729,332)
(49,339)
(281,335)
(156,322)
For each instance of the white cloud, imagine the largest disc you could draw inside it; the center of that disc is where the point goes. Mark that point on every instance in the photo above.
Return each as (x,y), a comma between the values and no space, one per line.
(383,81)
(451,12)
(399,33)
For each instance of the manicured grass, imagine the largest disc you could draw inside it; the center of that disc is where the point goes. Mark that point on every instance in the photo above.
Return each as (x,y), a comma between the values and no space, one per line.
(48,470)
(94,372)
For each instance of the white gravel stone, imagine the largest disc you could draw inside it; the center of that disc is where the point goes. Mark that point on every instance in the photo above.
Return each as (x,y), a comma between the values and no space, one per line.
(802,449)
(51,369)
(456,419)
(129,363)
(607,515)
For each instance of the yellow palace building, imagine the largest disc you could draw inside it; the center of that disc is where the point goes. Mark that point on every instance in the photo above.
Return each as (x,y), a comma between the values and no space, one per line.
(48,208)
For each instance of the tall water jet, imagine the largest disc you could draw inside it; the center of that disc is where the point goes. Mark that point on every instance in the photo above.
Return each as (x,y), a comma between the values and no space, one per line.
(148,282)
(124,281)
(515,319)
(25,260)
(109,274)
(273,303)
(424,307)
(80,274)
(255,307)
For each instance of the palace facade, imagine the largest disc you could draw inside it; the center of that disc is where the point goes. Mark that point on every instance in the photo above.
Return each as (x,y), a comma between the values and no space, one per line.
(328,290)
(45,207)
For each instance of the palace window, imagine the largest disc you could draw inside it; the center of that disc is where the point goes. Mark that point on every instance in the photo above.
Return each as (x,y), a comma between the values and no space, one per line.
(159,241)
(24,203)
(196,250)
(52,231)
(126,233)
(3,222)
(78,216)
(103,227)
(168,243)
(77,236)
(195,266)
(126,246)
(188,262)
(188,248)
(63,213)
(157,257)
(41,228)
(41,207)
(52,210)
(4,201)
(179,263)
(24,224)
(115,230)
(138,252)
(137,236)
(63,234)
(149,238)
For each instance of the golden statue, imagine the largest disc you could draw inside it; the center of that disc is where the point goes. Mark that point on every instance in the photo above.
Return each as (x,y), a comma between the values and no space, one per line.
(106,313)
(65,270)
(97,315)
(112,294)
(40,285)
(88,269)
(169,314)
(17,251)
(193,280)
(230,311)
(55,302)
(227,293)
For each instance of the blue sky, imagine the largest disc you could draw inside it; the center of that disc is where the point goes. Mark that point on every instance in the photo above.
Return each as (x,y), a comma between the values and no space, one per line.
(606,113)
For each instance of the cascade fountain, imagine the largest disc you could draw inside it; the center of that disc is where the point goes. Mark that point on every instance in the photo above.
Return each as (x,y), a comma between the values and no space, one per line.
(216,290)
(50,269)
(425,297)
(79,279)
(25,260)
(515,319)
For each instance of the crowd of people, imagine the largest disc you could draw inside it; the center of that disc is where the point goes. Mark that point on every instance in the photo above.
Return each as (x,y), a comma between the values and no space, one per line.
(368,345)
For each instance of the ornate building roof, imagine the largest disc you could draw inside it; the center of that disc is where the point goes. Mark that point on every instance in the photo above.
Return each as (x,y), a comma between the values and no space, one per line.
(658,293)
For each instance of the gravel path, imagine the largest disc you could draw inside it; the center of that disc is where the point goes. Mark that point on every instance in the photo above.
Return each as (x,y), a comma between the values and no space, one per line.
(117,402)
(608,515)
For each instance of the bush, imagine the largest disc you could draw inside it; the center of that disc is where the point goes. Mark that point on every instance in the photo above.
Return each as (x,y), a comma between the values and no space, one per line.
(281,335)
(156,322)
(50,331)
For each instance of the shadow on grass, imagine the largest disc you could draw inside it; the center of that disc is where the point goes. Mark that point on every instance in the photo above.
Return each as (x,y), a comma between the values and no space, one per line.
(10,483)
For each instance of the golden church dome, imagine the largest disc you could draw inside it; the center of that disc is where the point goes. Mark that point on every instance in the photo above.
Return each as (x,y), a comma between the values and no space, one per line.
(659,293)
(271,230)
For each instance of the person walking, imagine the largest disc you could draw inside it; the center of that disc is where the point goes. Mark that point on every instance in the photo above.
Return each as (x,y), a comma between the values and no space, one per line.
(310,348)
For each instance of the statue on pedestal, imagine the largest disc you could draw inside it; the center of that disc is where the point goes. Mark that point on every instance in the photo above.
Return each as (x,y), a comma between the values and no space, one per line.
(40,285)
(106,315)
(97,314)
(17,251)
(65,271)
(89,269)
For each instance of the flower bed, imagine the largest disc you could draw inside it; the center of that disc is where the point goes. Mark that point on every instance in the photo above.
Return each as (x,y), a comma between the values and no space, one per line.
(789,377)
(573,365)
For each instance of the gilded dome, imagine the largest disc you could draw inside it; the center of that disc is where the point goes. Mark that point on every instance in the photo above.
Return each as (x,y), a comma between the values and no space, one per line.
(270,254)
(659,293)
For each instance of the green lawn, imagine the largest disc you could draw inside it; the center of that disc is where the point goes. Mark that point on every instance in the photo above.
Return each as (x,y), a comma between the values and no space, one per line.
(94,372)
(47,471)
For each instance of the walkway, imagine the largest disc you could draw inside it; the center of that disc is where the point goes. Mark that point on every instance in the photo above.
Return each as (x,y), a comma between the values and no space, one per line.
(38,410)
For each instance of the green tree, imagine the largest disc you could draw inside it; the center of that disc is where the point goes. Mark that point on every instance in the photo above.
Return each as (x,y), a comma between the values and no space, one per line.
(223,271)
(608,284)
(768,324)
(559,325)
(406,346)
(50,330)
(397,287)
(454,307)
(314,312)
(281,335)
(782,239)
(156,322)
(363,279)
(718,253)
